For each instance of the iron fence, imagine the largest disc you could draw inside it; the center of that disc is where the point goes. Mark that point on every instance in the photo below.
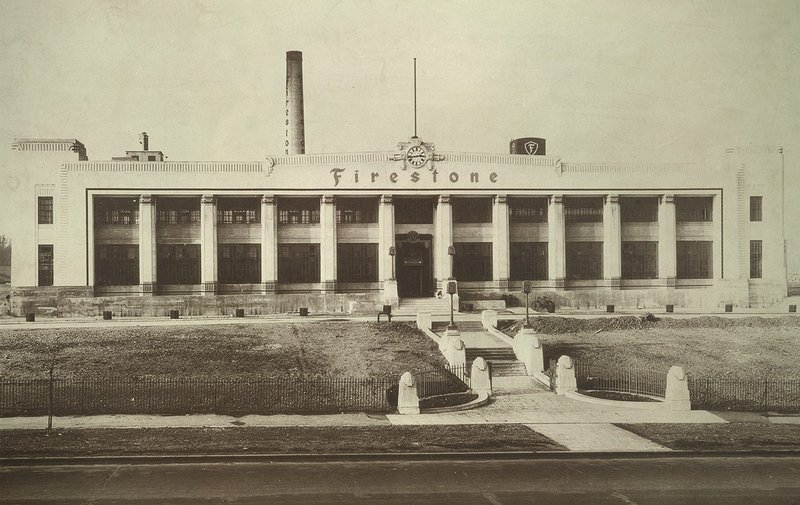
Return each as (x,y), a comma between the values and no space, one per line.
(722,393)
(551,372)
(170,395)
(443,381)
(624,379)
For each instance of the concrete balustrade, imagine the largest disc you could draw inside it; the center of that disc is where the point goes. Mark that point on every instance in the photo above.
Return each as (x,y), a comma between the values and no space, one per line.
(481,377)
(407,395)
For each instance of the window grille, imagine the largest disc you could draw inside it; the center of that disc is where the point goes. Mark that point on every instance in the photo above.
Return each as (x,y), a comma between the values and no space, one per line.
(178,264)
(357,262)
(583,210)
(116,265)
(178,210)
(45,265)
(638,210)
(238,210)
(298,263)
(413,210)
(640,260)
(473,261)
(298,211)
(472,210)
(584,260)
(356,210)
(694,259)
(45,210)
(116,211)
(694,209)
(755,259)
(755,208)
(528,261)
(239,263)
(527,210)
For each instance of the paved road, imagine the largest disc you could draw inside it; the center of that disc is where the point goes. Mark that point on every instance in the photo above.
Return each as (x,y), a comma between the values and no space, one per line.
(625,481)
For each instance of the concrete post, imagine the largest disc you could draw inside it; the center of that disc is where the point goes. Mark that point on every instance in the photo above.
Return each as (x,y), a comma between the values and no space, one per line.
(489,319)
(443,240)
(480,377)
(667,241)
(147,245)
(407,396)
(677,393)
(500,245)
(716,246)
(269,244)
(386,271)
(565,376)
(528,349)
(327,218)
(455,352)
(208,244)
(424,320)
(556,248)
(612,242)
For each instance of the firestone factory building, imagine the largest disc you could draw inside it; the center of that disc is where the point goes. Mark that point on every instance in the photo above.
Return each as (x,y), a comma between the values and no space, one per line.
(350,232)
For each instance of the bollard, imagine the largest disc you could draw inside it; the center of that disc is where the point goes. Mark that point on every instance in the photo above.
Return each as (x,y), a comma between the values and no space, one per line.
(792,308)
(728,307)
(107,315)
(670,308)
(303,311)
(609,308)
(30,317)
(239,312)
(173,314)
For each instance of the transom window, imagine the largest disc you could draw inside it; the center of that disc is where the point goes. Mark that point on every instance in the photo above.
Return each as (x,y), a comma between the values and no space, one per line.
(298,210)
(694,208)
(116,211)
(527,210)
(356,210)
(638,210)
(238,210)
(178,210)
(583,209)
(472,210)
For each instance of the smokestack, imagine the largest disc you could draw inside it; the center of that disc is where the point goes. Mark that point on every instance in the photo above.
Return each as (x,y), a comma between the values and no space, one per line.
(144,140)
(295,124)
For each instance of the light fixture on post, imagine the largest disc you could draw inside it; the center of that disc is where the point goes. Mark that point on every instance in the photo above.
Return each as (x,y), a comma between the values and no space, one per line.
(451,251)
(526,288)
(451,290)
(392,253)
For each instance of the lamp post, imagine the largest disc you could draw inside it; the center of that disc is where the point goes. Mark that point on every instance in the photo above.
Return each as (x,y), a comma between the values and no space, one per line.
(451,251)
(392,252)
(451,290)
(526,288)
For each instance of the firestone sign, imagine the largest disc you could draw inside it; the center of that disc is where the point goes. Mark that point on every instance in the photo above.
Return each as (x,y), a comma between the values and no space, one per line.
(414,177)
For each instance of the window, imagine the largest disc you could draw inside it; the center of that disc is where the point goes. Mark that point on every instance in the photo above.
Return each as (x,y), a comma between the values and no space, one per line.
(528,261)
(413,210)
(755,259)
(178,210)
(583,210)
(357,263)
(473,261)
(238,210)
(151,157)
(178,264)
(691,209)
(527,210)
(116,265)
(640,260)
(694,259)
(298,210)
(239,263)
(117,211)
(356,210)
(472,210)
(638,210)
(298,263)
(584,260)
(755,208)
(45,210)
(135,157)
(45,265)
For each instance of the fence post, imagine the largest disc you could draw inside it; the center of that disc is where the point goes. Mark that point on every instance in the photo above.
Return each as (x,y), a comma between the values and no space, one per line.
(407,396)
(677,393)
(481,377)
(565,376)
(766,393)
(50,400)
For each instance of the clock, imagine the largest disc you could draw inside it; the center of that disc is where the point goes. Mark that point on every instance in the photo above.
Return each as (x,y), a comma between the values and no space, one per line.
(416,156)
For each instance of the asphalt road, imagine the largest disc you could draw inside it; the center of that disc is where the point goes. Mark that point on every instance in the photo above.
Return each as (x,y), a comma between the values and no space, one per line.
(552,481)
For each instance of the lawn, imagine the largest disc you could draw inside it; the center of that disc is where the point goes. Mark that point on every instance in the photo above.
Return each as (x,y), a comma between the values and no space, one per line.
(721,437)
(346,349)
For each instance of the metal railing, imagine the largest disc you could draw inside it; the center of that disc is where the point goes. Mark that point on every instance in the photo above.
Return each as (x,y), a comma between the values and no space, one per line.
(624,379)
(723,393)
(443,381)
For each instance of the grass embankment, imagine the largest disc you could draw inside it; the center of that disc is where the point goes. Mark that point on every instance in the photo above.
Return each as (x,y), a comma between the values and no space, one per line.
(721,437)
(733,347)
(345,349)
(288,440)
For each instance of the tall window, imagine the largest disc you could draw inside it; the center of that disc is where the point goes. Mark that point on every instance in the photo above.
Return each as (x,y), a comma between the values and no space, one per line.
(583,210)
(413,210)
(178,210)
(45,210)
(527,210)
(694,259)
(238,210)
(116,211)
(694,209)
(638,210)
(472,210)
(755,208)
(356,210)
(45,265)
(584,260)
(239,263)
(639,260)
(755,259)
(528,261)
(298,210)
(116,265)
(178,264)
(473,261)
(357,263)
(298,263)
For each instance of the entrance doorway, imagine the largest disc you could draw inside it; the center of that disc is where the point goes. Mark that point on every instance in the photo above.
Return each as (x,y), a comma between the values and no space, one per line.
(414,265)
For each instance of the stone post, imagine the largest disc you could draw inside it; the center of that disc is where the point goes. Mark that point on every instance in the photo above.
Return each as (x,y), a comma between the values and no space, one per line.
(612,242)
(556,248)
(269,244)
(489,319)
(147,245)
(481,377)
(677,393)
(407,396)
(565,376)
(667,241)
(208,244)
(327,219)
(455,351)
(528,349)
(500,244)
(443,240)
(386,271)
(424,320)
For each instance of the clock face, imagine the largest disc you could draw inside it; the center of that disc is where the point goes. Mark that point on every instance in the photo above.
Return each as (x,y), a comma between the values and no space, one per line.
(416,156)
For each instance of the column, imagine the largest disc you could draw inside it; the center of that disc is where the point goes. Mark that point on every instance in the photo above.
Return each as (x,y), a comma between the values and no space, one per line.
(612,242)
(327,219)
(269,244)
(444,239)
(500,245)
(147,245)
(208,244)
(667,241)
(716,247)
(556,247)
(386,238)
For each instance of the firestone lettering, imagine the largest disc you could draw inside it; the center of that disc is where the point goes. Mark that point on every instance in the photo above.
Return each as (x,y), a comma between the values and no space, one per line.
(412,177)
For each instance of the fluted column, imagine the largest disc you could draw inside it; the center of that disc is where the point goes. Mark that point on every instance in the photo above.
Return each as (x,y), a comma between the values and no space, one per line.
(557,245)
(500,245)
(612,242)
(208,244)
(327,219)
(386,239)
(444,239)
(147,245)
(667,241)
(269,244)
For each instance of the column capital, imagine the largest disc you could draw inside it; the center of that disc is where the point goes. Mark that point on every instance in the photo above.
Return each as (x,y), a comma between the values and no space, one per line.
(444,199)
(557,199)
(207,199)
(668,199)
(386,199)
(146,199)
(326,199)
(612,199)
(500,199)
(268,199)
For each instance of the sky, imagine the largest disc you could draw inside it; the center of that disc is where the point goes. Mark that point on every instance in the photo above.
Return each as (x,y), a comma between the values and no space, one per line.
(610,80)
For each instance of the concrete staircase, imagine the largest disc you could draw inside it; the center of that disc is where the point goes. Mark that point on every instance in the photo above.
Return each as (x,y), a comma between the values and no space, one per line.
(436,306)
(504,363)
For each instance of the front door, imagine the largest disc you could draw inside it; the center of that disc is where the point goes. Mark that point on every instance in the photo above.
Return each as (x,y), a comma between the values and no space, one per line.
(414,272)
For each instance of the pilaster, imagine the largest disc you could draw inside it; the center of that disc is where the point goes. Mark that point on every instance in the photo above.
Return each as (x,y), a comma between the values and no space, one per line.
(556,248)
(386,239)
(269,244)
(147,245)
(667,241)
(612,242)
(443,268)
(327,218)
(500,245)
(208,244)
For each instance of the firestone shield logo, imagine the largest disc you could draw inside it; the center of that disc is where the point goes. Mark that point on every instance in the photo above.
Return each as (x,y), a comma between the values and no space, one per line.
(531,147)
